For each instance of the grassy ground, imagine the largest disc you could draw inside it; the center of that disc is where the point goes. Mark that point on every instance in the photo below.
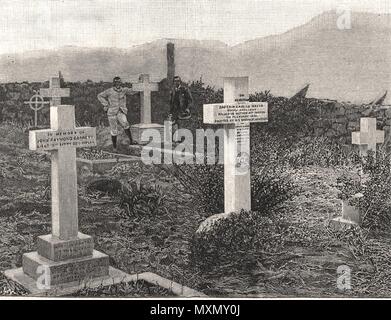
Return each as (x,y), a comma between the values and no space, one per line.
(305,266)
(139,289)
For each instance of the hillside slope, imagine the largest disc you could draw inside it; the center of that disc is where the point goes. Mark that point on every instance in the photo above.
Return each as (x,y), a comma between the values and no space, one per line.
(350,65)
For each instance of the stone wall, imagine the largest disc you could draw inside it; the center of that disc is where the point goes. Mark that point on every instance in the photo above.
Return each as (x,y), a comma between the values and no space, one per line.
(339,120)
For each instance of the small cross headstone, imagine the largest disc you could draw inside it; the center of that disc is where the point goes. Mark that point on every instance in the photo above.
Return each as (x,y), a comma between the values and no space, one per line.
(236,114)
(367,139)
(55,92)
(145,87)
(368,136)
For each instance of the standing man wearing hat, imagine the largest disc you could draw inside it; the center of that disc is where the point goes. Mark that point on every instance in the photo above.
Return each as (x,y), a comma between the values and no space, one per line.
(114,104)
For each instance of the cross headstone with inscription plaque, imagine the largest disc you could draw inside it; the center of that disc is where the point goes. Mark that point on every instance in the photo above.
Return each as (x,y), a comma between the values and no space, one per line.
(236,114)
(65,257)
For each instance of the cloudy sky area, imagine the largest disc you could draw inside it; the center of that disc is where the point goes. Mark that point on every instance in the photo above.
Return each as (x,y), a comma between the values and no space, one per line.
(43,24)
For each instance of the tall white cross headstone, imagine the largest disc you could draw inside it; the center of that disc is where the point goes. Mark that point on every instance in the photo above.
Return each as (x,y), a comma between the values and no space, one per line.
(66,256)
(62,139)
(145,87)
(236,114)
(368,136)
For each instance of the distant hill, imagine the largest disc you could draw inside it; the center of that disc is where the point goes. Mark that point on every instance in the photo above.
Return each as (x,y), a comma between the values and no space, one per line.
(349,65)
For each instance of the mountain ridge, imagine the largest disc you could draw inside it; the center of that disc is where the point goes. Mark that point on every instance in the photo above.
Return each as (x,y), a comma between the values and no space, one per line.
(350,65)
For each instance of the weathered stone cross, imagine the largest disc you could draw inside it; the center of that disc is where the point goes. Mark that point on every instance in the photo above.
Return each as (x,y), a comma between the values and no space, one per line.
(54,92)
(145,87)
(236,113)
(368,136)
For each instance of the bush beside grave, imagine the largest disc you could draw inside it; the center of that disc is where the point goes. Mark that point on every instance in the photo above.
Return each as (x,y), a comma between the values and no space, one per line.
(142,199)
(135,197)
(236,240)
(271,186)
(203,182)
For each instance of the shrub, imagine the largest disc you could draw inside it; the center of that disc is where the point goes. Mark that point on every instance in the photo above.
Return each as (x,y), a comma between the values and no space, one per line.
(141,199)
(13,133)
(235,240)
(376,204)
(202,181)
(135,197)
(271,186)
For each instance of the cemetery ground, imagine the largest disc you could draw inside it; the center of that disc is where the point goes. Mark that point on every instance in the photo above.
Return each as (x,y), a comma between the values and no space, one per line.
(298,254)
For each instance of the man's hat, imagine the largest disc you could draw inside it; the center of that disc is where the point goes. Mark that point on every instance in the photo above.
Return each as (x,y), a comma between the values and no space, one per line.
(177,78)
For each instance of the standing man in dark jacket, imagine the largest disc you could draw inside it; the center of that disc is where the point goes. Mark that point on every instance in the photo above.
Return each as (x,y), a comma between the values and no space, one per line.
(180,102)
(114,104)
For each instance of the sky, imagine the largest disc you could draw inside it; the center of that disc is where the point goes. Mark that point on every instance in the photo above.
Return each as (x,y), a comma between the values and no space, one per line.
(48,24)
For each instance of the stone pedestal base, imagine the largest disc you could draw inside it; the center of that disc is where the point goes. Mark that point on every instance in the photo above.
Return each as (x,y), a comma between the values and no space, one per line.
(80,269)
(60,262)
(114,276)
(55,249)
(138,129)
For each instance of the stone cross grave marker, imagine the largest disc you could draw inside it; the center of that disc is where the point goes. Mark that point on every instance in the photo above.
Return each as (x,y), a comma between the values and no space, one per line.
(145,87)
(54,92)
(36,103)
(236,114)
(65,257)
(368,136)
